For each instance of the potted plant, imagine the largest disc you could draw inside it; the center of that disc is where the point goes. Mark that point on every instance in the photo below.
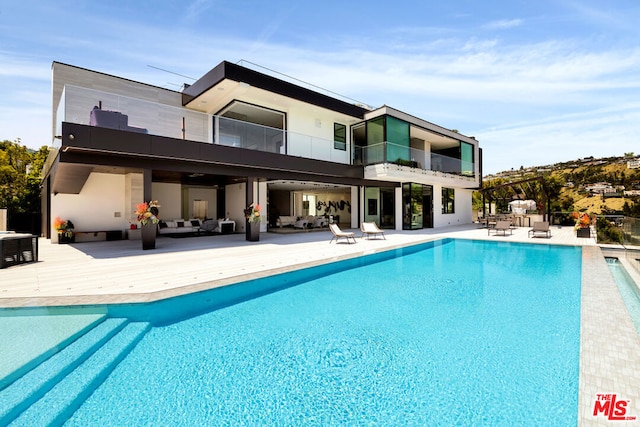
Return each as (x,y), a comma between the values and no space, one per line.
(64,229)
(253,217)
(583,224)
(147,213)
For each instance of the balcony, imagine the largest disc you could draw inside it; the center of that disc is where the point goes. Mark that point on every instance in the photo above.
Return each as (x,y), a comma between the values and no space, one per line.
(131,114)
(414,160)
(134,115)
(237,133)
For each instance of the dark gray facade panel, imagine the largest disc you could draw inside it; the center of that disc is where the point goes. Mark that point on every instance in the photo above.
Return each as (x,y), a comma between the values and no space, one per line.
(227,70)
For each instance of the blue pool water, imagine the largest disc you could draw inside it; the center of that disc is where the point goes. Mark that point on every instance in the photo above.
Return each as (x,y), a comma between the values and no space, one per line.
(628,290)
(451,333)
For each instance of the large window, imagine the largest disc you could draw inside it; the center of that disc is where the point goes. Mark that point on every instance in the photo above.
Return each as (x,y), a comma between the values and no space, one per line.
(412,206)
(466,159)
(448,200)
(339,136)
(398,141)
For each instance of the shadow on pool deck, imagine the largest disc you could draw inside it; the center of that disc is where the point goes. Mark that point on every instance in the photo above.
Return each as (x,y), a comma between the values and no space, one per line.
(120,271)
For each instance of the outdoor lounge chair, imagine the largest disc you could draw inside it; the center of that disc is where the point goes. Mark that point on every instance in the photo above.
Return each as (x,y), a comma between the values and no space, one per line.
(501,226)
(371,229)
(337,234)
(541,227)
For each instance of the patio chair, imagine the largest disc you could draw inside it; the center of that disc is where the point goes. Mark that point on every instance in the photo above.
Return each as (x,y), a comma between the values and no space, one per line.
(540,227)
(371,229)
(501,226)
(337,234)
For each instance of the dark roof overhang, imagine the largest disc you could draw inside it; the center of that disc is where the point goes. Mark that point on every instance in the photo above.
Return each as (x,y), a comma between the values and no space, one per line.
(229,71)
(88,148)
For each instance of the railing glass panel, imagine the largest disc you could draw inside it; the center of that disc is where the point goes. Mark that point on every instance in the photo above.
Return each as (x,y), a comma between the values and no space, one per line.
(236,133)
(131,114)
(419,159)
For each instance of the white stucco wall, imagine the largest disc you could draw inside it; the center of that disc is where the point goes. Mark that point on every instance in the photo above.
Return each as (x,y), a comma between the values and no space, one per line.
(235,202)
(199,193)
(311,134)
(98,207)
(169,197)
(463,213)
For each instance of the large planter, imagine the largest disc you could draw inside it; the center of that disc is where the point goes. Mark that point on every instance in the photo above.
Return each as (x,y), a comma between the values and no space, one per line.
(253,231)
(63,238)
(148,235)
(583,232)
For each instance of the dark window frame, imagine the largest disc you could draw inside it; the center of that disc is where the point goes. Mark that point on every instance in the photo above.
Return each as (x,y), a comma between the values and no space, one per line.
(340,136)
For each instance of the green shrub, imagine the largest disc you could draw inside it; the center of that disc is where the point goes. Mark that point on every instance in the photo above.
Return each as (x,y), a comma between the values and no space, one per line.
(608,232)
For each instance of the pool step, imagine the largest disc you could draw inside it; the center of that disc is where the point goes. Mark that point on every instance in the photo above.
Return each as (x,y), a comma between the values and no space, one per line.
(65,392)
(35,383)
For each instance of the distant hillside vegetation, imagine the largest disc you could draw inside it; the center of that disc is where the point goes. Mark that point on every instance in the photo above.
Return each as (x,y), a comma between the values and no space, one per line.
(609,186)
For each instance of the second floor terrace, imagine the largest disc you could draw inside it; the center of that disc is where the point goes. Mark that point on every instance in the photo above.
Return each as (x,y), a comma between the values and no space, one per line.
(91,107)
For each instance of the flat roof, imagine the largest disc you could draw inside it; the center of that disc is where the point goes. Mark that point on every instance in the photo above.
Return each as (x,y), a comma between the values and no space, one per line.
(229,71)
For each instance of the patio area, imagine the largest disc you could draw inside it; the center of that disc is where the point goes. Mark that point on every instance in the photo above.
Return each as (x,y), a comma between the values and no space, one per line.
(120,271)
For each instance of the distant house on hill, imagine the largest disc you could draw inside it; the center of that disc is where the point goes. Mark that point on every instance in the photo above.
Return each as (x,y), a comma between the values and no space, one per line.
(633,164)
(599,188)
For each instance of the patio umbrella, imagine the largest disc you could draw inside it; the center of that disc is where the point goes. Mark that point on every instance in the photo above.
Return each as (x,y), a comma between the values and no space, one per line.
(523,204)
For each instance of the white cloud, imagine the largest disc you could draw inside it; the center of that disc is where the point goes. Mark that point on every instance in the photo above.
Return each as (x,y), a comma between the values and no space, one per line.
(503,24)
(543,94)
(195,9)
(599,133)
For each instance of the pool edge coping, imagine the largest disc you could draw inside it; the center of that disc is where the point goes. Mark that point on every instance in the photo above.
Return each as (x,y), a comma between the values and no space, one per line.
(609,343)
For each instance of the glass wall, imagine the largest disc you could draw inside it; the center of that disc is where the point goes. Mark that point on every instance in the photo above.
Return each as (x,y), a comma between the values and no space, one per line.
(398,137)
(372,204)
(411,206)
(417,206)
(387,208)
(466,159)
(379,206)
(375,131)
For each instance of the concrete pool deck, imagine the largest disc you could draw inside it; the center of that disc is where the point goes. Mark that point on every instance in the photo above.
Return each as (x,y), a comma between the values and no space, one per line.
(119,271)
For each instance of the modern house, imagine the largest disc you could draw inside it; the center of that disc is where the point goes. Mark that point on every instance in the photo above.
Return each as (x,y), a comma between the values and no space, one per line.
(239,136)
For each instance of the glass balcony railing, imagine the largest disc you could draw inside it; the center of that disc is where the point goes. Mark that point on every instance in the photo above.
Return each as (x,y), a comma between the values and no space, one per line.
(388,152)
(121,112)
(135,115)
(237,133)
(631,231)
(97,108)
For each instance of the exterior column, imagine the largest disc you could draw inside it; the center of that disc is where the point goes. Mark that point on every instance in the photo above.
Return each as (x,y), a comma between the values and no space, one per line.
(146,185)
(249,190)
(133,191)
(248,200)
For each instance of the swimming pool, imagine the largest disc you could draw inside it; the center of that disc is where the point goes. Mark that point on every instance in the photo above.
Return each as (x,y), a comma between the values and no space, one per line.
(453,332)
(628,290)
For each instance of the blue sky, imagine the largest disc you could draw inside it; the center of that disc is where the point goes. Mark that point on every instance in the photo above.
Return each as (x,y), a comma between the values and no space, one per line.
(536,82)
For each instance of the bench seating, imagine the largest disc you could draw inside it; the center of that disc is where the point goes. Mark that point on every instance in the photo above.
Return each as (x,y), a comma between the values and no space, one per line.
(286,220)
(181,226)
(97,236)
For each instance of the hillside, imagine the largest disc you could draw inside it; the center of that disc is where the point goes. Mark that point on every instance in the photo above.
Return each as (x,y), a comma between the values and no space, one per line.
(597,186)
